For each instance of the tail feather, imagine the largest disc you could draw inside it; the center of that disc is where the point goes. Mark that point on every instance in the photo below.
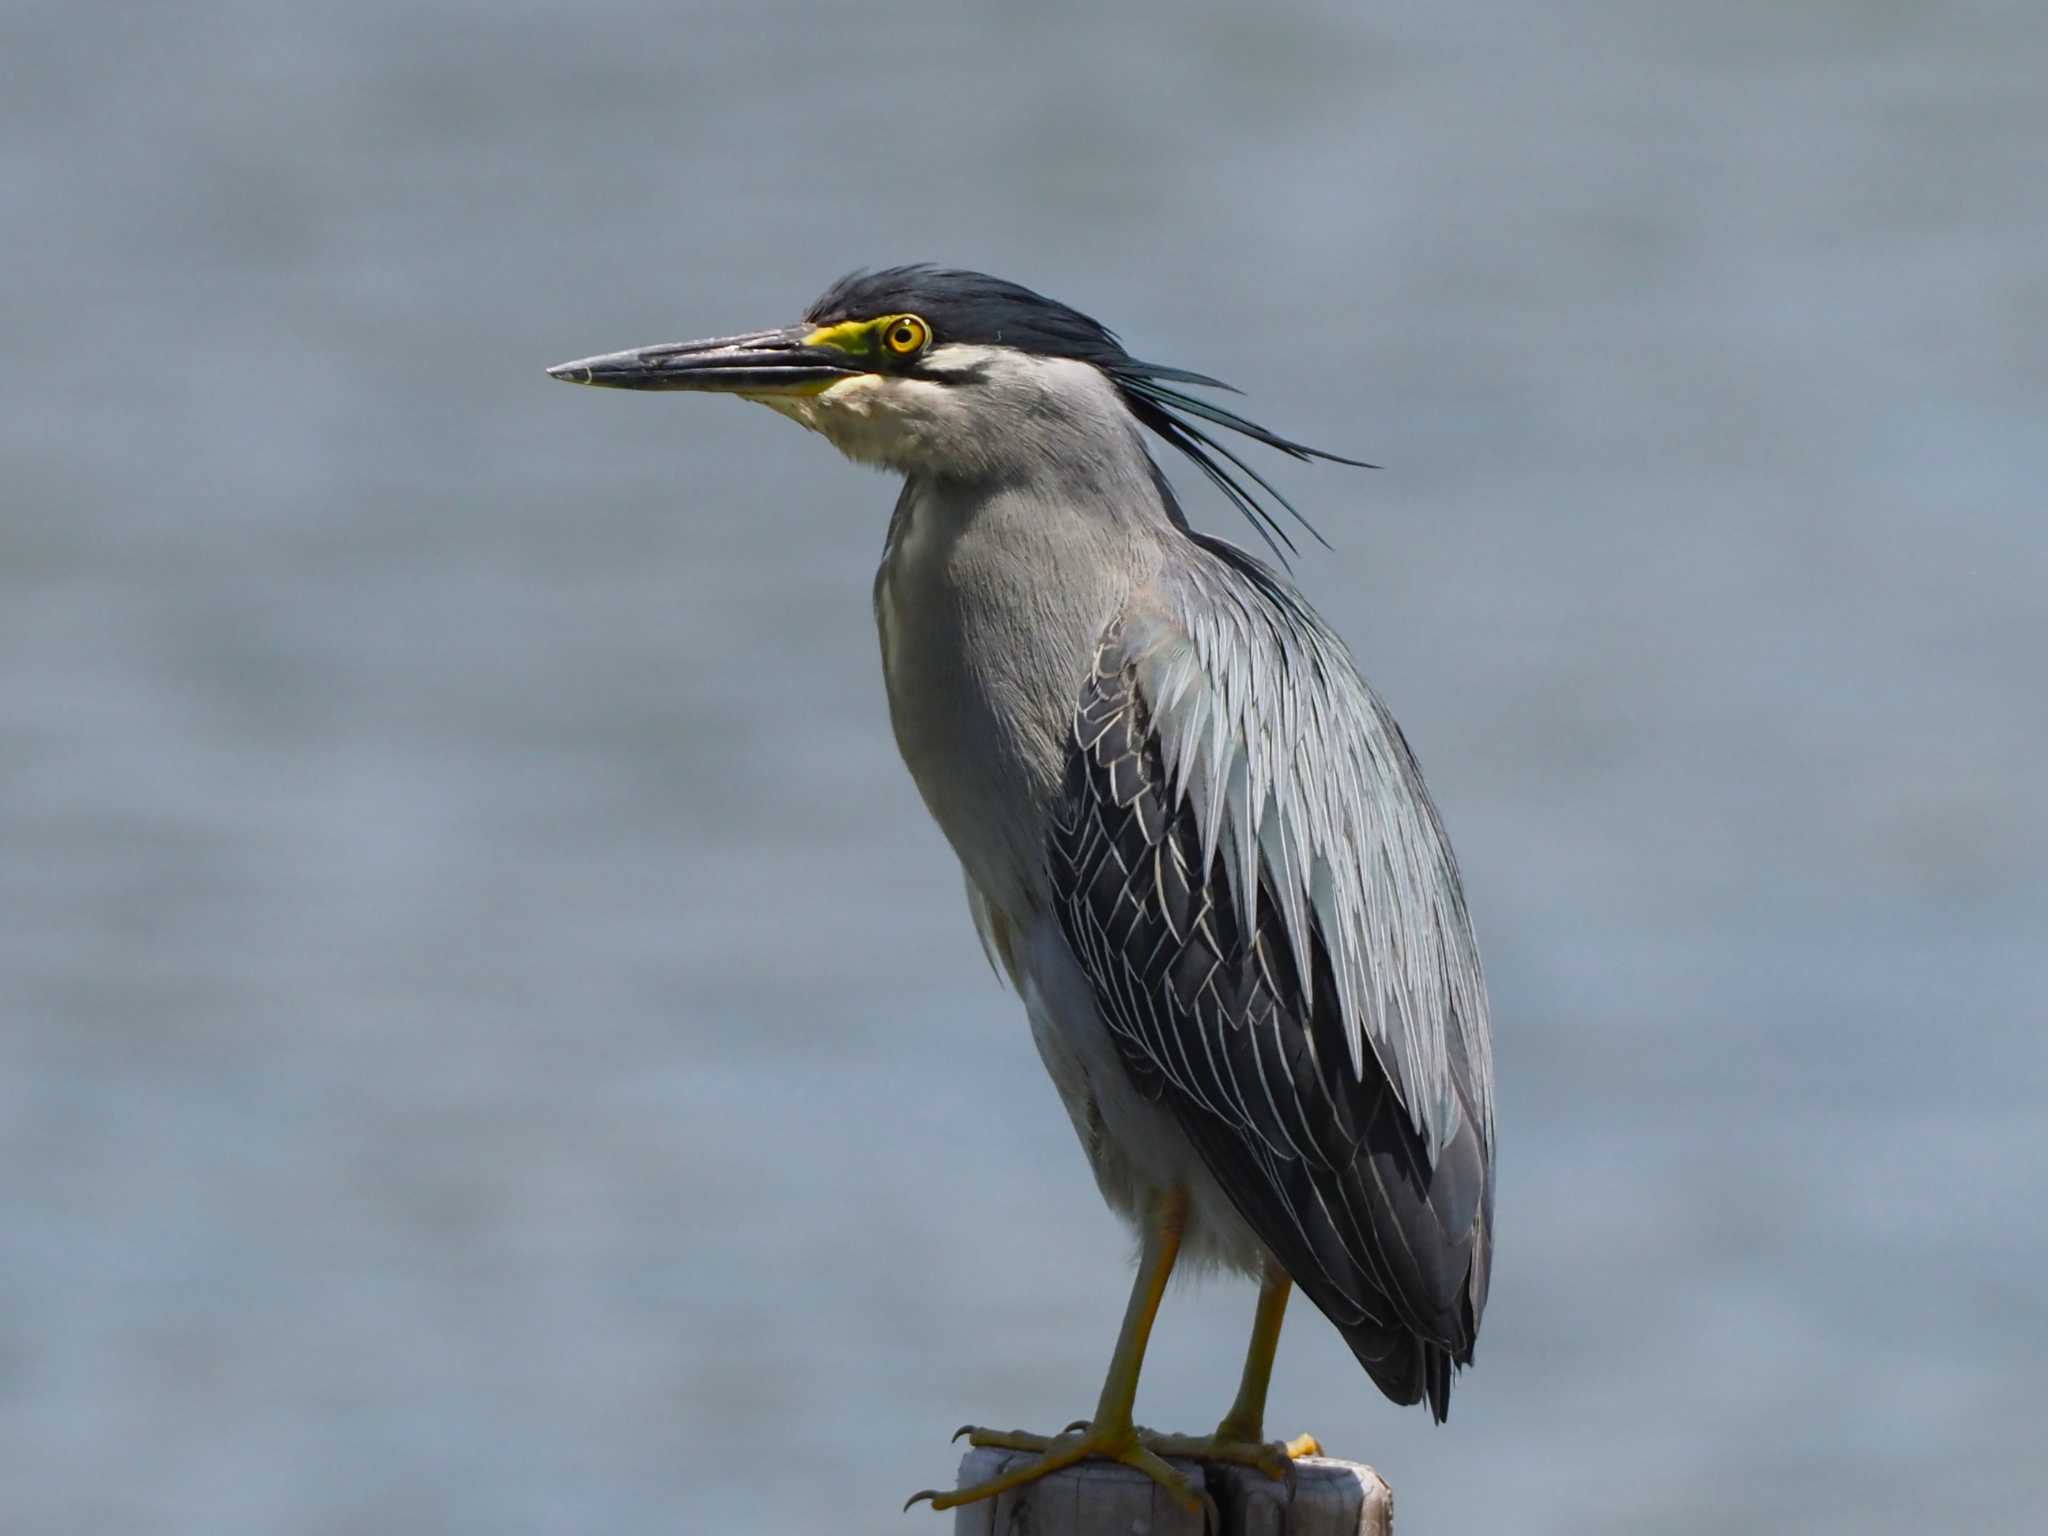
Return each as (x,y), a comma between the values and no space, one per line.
(1406,1368)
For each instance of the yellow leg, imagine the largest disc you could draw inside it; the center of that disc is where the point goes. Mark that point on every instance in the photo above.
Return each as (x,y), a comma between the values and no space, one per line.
(1110,1435)
(1246,1421)
(1247,1417)
(1162,1247)
(1240,1438)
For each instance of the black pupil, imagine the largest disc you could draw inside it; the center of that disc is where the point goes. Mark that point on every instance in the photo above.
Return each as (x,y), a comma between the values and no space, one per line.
(905,335)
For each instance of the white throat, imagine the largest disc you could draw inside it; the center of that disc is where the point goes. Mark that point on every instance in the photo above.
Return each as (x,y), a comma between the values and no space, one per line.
(984,413)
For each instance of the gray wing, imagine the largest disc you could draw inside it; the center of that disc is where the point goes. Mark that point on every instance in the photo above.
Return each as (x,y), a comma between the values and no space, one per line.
(1256,883)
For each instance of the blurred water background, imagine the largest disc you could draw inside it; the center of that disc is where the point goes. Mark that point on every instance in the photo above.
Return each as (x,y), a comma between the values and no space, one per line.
(490,1042)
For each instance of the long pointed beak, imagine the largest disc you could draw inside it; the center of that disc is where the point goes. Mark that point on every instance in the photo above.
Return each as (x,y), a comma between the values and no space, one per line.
(760,363)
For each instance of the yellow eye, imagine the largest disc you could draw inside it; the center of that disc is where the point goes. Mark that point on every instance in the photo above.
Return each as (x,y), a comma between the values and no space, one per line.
(906,334)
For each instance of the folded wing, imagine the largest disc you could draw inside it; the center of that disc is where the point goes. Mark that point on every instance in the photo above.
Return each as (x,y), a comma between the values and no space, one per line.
(1252,875)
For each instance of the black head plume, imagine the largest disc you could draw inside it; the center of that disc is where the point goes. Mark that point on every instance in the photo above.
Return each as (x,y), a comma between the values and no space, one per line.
(974,307)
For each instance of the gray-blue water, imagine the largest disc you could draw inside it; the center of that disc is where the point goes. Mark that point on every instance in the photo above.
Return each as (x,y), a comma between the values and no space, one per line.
(490,1042)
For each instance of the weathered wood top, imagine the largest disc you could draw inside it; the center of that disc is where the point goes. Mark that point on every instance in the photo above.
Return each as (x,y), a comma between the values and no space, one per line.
(1100,1498)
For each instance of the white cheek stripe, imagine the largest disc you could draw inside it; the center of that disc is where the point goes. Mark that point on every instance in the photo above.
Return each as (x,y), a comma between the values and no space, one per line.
(904,423)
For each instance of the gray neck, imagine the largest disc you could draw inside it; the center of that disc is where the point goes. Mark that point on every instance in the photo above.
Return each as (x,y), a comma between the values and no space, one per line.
(994,588)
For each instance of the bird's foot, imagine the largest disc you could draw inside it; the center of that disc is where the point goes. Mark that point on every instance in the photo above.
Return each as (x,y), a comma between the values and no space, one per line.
(1145,1449)
(1077,1443)
(1018,1439)
(1275,1458)
(1240,1445)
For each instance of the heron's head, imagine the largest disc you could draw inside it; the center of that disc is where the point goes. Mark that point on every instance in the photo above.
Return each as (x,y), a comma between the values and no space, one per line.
(927,370)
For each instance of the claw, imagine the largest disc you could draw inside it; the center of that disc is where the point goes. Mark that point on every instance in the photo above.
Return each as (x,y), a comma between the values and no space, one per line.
(1141,1448)
(1053,1455)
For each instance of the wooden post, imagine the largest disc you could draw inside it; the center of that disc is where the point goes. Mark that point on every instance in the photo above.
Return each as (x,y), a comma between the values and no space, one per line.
(1100,1498)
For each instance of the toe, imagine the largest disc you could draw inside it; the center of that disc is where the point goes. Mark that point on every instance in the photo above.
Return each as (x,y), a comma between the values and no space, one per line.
(1011,1440)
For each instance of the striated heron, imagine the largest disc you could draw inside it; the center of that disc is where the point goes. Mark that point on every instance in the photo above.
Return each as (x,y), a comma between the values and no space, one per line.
(1194,838)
